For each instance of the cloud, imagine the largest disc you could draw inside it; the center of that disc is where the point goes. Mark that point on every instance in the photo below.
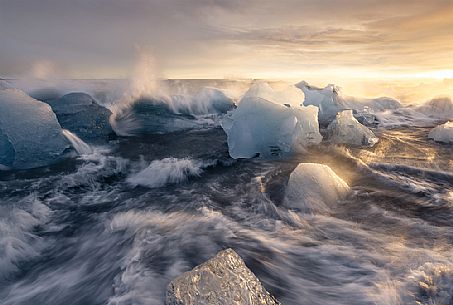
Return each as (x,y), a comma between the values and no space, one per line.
(210,38)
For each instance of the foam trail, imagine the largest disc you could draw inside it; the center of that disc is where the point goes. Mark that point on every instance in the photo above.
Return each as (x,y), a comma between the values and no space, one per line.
(81,147)
(168,171)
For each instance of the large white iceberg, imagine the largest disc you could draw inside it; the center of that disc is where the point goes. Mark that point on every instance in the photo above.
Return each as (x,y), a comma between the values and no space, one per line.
(442,133)
(30,135)
(345,129)
(313,188)
(263,126)
(222,280)
(330,101)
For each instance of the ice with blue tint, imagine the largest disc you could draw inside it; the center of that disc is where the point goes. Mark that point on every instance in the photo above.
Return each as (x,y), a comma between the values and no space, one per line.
(326,99)
(262,125)
(30,135)
(330,101)
(81,114)
(345,129)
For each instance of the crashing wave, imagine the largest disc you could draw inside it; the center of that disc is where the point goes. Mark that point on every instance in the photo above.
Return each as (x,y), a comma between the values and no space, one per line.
(80,147)
(158,254)
(313,188)
(168,171)
(30,135)
(263,126)
(442,133)
(207,101)
(17,241)
(150,116)
(165,114)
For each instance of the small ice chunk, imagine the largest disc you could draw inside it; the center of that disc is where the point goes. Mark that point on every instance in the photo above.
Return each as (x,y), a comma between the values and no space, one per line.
(345,129)
(79,113)
(261,127)
(30,135)
(313,188)
(222,280)
(442,133)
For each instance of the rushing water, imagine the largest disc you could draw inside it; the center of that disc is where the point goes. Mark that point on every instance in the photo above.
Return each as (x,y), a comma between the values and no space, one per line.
(117,224)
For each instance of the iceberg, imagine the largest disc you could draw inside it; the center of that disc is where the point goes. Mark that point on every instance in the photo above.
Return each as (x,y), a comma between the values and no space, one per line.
(330,101)
(290,96)
(30,135)
(442,133)
(326,99)
(79,113)
(222,280)
(263,126)
(345,129)
(313,187)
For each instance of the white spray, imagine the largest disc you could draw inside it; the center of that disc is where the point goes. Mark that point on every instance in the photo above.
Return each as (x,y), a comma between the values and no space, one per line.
(81,147)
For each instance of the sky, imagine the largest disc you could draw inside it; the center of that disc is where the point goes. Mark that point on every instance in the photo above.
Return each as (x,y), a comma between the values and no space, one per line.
(337,40)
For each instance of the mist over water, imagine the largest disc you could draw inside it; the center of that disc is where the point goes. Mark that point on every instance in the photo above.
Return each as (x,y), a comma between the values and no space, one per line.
(117,223)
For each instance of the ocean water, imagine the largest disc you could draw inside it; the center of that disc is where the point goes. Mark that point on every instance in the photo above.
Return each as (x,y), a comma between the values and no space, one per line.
(118,223)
